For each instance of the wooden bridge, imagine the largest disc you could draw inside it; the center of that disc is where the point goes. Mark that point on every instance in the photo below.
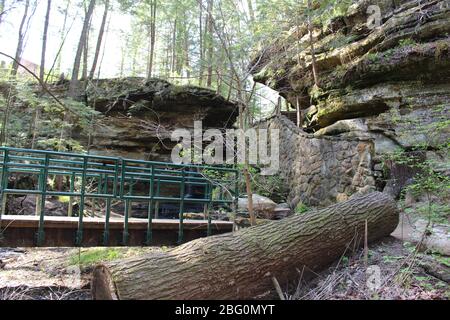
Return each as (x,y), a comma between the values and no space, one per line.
(79,177)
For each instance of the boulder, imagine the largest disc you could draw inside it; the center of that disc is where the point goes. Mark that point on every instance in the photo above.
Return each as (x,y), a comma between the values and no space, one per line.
(282,211)
(262,206)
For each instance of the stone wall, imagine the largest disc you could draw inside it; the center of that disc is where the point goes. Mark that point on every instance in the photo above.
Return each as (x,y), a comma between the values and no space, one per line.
(322,170)
(380,90)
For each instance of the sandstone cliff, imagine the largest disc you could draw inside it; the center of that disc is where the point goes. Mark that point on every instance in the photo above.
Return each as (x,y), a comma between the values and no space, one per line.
(138,115)
(381,89)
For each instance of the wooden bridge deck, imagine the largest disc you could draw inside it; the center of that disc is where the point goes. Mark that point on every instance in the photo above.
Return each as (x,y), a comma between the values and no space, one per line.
(20,231)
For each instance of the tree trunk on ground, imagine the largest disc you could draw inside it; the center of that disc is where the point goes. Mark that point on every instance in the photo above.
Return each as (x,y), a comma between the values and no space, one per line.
(241,265)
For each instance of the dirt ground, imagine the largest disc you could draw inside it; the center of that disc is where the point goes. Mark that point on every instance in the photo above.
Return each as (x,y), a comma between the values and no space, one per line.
(53,273)
(393,272)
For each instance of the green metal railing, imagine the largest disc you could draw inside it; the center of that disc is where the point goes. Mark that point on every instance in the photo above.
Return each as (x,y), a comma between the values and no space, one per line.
(113,178)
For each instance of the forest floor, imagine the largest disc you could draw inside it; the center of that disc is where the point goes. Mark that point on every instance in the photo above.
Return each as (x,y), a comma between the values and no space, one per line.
(64,273)
(53,273)
(395,270)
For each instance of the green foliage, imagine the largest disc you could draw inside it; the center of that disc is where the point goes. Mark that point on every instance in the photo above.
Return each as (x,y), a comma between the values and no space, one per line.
(373,57)
(301,208)
(272,187)
(92,256)
(406,42)
(29,113)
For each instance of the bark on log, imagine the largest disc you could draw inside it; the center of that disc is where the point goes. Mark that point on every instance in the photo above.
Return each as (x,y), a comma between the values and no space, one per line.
(241,265)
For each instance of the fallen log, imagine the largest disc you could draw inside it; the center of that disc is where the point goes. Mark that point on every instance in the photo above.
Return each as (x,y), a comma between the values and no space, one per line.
(241,265)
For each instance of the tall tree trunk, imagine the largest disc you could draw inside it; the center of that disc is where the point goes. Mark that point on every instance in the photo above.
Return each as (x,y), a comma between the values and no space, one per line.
(44,41)
(152,38)
(311,43)
(251,11)
(104,48)
(21,37)
(241,265)
(37,110)
(122,60)
(174,46)
(9,102)
(201,62)
(63,36)
(99,40)
(210,44)
(74,83)
(2,10)
(84,71)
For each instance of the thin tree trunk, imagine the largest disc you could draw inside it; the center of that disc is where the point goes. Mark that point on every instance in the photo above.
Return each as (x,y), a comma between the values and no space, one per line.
(44,41)
(210,44)
(186,54)
(19,48)
(174,46)
(104,48)
(63,36)
(2,10)
(122,61)
(311,43)
(251,11)
(299,113)
(73,88)
(37,110)
(99,40)
(10,101)
(84,71)
(152,38)
(201,62)
(241,265)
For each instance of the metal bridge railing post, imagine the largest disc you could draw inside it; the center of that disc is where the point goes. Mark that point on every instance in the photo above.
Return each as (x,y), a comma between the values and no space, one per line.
(127,209)
(209,195)
(149,235)
(107,216)
(79,237)
(43,190)
(125,224)
(72,190)
(236,193)
(107,211)
(3,185)
(158,189)
(181,214)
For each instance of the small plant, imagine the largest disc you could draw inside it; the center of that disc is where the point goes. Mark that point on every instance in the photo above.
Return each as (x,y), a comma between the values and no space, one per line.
(372,57)
(301,208)
(93,256)
(406,42)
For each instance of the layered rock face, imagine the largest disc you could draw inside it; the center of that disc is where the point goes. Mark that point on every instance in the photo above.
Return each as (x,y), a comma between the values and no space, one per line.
(388,86)
(138,115)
